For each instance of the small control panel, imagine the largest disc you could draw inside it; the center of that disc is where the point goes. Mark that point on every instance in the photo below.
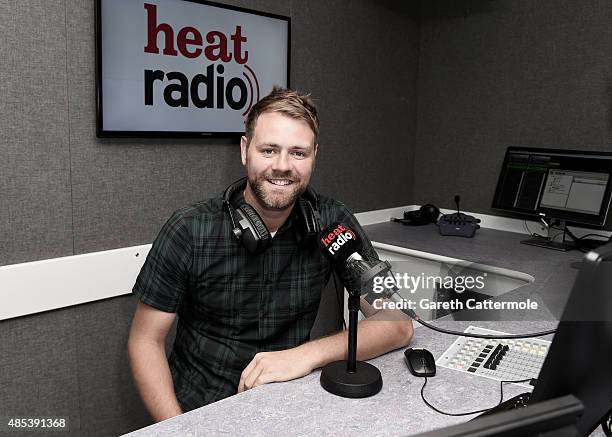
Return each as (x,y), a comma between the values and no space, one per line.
(458,224)
(503,360)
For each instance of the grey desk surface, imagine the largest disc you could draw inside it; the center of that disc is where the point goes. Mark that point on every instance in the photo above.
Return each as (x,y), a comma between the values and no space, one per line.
(554,271)
(302,407)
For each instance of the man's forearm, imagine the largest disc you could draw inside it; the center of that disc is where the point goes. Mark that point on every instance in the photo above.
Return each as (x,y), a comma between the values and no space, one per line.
(153,379)
(380,333)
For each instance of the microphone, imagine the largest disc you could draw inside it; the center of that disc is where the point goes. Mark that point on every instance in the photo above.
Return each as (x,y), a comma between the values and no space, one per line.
(341,245)
(339,242)
(349,378)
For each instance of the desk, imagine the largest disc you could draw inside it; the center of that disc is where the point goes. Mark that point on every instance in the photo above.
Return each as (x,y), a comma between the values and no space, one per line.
(554,271)
(302,407)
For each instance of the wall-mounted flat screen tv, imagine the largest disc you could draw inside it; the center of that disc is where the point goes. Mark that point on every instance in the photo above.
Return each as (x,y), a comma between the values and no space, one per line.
(184,68)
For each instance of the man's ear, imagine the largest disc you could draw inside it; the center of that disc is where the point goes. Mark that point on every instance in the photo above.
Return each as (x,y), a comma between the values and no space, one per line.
(244,145)
(316,149)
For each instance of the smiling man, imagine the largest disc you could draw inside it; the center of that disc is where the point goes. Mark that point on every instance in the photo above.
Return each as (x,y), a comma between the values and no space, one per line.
(244,277)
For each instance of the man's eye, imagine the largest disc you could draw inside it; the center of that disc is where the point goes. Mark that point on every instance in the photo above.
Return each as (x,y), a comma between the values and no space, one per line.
(267,151)
(299,154)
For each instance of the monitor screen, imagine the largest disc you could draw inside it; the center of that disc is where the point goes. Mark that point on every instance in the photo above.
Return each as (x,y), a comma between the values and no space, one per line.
(577,191)
(184,68)
(569,185)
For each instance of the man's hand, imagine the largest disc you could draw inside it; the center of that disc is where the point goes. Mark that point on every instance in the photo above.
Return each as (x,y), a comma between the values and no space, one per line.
(278,366)
(380,332)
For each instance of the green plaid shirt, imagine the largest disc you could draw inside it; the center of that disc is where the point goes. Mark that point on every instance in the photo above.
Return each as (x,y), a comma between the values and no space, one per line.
(232,304)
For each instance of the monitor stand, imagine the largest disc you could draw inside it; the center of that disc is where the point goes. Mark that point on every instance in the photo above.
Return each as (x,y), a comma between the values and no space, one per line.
(548,243)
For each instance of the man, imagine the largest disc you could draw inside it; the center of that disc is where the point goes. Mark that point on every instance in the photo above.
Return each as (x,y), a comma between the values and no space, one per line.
(244,318)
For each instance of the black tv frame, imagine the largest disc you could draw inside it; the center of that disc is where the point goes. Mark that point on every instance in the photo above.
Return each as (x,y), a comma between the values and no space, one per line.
(101,133)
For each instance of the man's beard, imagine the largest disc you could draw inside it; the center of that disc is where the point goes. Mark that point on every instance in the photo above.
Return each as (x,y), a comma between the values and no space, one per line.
(274,201)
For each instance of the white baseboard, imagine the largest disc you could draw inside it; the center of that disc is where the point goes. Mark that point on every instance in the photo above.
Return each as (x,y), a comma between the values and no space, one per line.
(38,286)
(382,215)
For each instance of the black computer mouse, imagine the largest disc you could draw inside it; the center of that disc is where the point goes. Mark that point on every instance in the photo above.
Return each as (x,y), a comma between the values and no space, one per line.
(420,362)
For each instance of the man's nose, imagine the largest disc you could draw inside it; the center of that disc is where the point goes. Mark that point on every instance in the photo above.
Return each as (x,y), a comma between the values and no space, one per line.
(282,163)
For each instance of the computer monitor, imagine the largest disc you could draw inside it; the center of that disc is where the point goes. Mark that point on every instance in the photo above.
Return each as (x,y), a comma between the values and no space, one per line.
(572,186)
(579,360)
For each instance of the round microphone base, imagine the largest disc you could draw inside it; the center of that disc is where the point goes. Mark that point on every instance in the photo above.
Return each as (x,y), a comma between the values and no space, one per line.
(366,381)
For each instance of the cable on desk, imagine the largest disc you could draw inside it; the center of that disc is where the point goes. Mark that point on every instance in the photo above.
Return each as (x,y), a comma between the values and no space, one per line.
(415,317)
(531,234)
(468,413)
(583,244)
(596,235)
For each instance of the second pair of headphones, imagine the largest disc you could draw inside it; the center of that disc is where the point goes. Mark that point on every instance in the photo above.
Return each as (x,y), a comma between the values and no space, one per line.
(424,215)
(251,231)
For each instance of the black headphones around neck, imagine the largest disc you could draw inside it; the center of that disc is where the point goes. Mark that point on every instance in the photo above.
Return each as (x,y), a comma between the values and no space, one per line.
(250,230)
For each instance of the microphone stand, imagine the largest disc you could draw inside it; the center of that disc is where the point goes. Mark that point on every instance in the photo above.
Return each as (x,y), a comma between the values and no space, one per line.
(351,378)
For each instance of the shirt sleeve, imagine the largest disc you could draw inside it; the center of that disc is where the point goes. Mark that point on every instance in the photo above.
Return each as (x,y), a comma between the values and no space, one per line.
(164,277)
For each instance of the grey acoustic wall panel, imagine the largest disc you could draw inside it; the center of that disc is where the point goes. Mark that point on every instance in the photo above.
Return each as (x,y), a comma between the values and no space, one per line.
(107,396)
(359,59)
(495,74)
(38,358)
(35,214)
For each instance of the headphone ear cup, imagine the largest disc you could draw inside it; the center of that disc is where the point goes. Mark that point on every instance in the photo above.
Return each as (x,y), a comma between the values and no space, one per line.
(309,224)
(431,212)
(422,216)
(413,217)
(255,235)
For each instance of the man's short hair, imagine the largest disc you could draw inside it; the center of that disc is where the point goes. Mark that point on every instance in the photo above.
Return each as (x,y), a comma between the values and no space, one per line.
(288,102)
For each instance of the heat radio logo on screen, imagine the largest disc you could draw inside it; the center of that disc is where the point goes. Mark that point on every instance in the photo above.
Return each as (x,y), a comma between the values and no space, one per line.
(210,89)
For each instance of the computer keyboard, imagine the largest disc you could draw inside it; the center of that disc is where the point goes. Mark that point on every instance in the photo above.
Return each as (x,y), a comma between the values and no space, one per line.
(502,360)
